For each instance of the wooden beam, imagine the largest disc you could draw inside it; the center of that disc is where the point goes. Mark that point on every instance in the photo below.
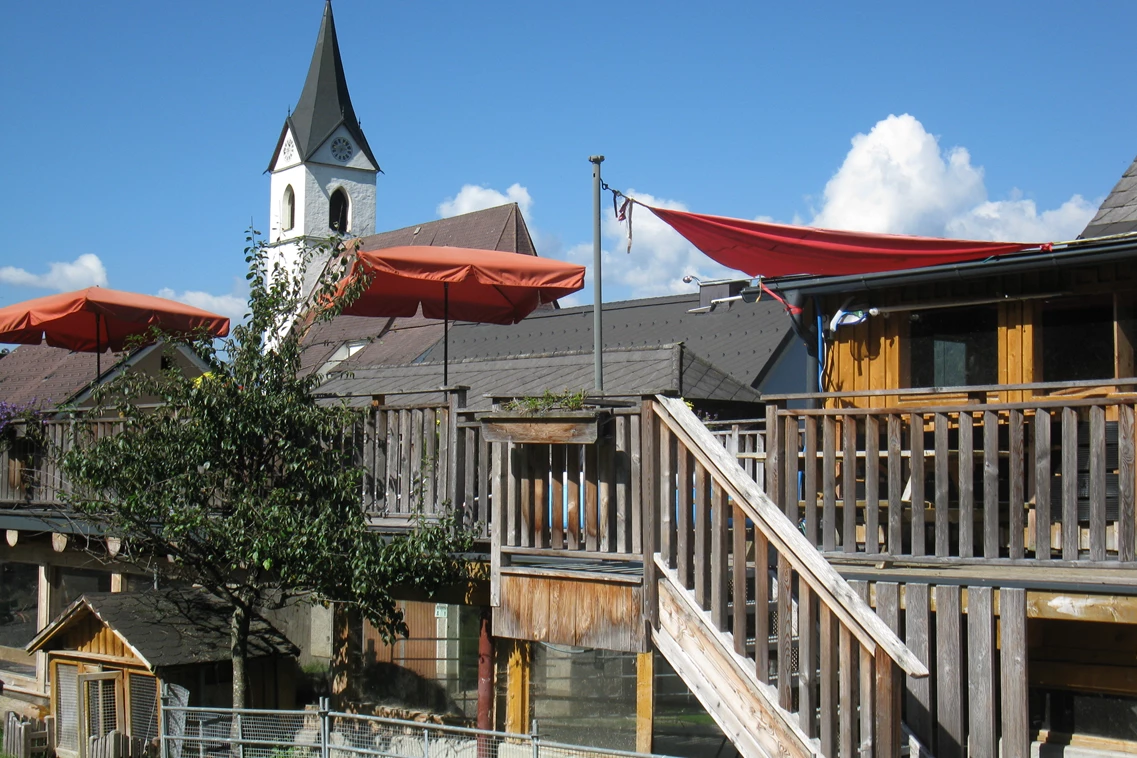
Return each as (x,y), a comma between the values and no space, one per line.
(645,701)
(517,687)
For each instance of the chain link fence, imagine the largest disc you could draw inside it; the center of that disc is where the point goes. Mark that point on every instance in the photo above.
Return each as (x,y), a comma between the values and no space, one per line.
(319,733)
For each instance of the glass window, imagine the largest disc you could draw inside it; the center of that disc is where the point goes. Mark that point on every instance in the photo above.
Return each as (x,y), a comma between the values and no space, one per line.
(76,582)
(954,347)
(19,601)
(1077,341)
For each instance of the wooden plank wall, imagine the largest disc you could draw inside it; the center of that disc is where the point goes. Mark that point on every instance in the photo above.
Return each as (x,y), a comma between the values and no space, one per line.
(569,611)
(866,357)
(872,355)
(973,640)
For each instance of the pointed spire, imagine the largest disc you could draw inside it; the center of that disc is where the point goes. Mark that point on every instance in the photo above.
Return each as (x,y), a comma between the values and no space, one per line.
(324,102)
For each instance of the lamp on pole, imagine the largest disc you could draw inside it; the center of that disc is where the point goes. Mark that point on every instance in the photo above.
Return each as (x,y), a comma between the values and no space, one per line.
(597,318)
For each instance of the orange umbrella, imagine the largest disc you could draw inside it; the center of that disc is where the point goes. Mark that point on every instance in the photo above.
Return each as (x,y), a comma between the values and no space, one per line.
(461,283)
(96,318)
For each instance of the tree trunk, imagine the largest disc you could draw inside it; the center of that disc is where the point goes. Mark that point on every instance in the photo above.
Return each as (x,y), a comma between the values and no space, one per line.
(239,648)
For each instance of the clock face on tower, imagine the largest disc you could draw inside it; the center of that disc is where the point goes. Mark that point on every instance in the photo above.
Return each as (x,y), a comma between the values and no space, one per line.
(289,150)
(341,149)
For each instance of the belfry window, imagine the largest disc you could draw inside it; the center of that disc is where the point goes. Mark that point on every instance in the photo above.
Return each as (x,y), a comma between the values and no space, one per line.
(288,209)
(337,211)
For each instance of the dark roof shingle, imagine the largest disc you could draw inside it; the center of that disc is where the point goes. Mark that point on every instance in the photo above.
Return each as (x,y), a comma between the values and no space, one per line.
(1118,212)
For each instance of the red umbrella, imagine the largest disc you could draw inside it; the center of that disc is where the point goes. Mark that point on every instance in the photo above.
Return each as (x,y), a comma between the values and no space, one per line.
(462,283)
(95,319)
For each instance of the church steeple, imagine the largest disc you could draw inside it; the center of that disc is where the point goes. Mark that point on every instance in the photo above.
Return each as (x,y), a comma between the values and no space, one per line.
(325,103)
(323,170)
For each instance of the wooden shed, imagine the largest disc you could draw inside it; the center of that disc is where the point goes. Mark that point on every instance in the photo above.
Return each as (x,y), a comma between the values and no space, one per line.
(110,653)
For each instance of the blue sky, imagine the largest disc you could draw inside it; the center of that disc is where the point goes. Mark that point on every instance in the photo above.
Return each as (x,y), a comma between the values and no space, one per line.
(137,133)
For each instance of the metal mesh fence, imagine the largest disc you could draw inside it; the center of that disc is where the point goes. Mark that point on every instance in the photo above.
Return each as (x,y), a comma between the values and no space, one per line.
(248,733)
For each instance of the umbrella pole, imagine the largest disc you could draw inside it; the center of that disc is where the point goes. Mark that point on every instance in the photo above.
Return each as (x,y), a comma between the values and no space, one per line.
(98,349)
(446,334)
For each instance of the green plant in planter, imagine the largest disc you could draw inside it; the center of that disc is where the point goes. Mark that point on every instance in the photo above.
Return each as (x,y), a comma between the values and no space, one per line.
(550,401)
(21,421)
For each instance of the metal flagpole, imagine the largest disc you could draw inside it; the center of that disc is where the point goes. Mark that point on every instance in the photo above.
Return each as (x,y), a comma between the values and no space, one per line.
(597,317)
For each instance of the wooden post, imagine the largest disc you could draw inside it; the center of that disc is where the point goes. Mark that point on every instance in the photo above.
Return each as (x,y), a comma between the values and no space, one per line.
(456,465)
(645,701)
(517,687)
(485,672)
(949,670)
(649,447)
(981,733)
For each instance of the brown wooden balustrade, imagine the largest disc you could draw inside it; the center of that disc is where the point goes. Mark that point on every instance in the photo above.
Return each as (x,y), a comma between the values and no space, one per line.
(1045,479)
(818,652)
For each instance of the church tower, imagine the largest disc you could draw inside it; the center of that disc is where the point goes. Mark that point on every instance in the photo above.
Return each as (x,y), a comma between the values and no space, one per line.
(323,170)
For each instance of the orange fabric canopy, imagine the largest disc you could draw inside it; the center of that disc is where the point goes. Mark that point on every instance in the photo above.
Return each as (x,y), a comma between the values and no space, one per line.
(472,285)
(97,319)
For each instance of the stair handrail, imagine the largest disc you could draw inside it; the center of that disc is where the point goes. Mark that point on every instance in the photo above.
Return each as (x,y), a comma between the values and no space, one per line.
(830,587)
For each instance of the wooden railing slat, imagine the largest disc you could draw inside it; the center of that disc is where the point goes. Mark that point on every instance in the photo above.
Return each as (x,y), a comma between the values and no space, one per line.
(847,709)
(761,606)
(667,492)
(827,724)
(790,466)
(702,566)
(591,499)
(990,485)
(895,487)
(1042,479)
(557,492)
(719,570)
(785,633)
(949,673)
(1015,726)
(942,488)
(966,485)
(572,470)
(606,492)
(1069,484)
(1097,483)
(807,660)
(849,484)
(738,579)
(829,485)
(916,476)
(684,497)
(810,466)
(620,473)
(918,635)
(872,484)
(981,733)
(1125,473)
(1016,489)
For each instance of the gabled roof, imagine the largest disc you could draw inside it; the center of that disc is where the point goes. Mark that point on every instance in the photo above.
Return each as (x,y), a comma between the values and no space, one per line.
(52,376)
(404,339)
(627,371)
(324,102)
(1118,213)
(172,628)
(741,339)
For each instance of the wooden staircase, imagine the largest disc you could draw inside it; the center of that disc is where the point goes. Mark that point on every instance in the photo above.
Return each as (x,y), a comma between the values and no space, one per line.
(780,650)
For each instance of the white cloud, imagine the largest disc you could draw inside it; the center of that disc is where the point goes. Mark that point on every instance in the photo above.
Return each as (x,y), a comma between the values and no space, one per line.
(85,271)
(233,306)
(897,180)
(659,259)
(476,198)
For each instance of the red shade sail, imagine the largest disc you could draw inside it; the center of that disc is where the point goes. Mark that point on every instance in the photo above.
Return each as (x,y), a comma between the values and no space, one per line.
(480,285)
(771,250)
(97,319)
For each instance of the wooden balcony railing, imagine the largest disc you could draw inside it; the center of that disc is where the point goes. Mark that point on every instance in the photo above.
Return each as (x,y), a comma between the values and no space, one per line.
(813,644)
(1046,479)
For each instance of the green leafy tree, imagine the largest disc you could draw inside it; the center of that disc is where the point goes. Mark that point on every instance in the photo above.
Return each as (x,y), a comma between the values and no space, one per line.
(242,482)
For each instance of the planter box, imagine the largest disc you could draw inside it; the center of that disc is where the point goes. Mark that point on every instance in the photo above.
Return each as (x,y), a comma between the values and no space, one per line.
(552,427)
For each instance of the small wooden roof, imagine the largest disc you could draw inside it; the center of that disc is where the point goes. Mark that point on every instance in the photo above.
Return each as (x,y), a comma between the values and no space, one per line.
(160,629)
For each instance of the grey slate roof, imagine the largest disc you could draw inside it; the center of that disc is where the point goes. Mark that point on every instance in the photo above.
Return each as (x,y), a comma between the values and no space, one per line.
(627,371)
(1118,212)
(172,628)
(324,102)
(404,339)
(738,338)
